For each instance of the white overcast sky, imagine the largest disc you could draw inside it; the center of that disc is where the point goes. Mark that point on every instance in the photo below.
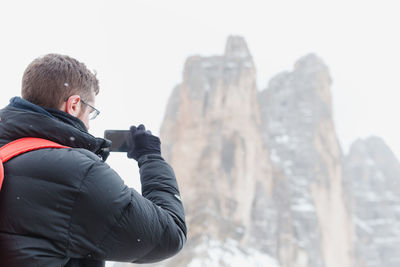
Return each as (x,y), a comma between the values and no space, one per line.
(139,48)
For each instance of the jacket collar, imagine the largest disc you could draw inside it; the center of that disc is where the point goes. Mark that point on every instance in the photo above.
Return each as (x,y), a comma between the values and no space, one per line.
(21,103)
(22,118)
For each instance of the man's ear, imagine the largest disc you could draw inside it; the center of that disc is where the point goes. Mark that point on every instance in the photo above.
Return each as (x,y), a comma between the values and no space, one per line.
(73,106)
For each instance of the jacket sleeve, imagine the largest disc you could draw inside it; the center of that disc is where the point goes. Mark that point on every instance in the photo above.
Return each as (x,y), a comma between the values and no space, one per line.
(113,222)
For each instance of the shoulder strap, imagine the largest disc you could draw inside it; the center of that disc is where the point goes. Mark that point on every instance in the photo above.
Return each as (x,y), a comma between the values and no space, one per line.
(20,146)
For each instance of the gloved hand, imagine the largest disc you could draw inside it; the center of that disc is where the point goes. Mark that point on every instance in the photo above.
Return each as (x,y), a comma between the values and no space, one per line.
(142,142)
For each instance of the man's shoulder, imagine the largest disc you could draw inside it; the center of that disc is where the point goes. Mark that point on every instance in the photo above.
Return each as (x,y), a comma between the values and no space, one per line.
(77,160)
(66,166)
(71,153)
(84,153)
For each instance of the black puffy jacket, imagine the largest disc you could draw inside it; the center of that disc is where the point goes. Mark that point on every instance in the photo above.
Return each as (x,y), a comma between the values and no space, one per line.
(66,207)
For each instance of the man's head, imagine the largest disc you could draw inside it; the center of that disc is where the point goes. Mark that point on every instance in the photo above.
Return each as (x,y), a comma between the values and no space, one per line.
(60,82)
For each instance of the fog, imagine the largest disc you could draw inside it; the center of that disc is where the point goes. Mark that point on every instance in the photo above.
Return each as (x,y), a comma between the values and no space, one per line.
(139,50)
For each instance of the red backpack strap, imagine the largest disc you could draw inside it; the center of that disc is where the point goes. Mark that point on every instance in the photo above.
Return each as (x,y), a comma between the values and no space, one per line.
(20,146)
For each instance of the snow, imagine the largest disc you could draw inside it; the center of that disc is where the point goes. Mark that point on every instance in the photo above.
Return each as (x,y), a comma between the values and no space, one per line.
(380,176)
(396,208)
(282,139)
(288,163)
(307,112)
(363,225)
(371,197)
(386,240)
(303,207)
(381,221)
(207,86)
(241,54)
(231,65)
(274,156)
(369,162)
(287,171)
(248,64)
(216,253)
(206,64)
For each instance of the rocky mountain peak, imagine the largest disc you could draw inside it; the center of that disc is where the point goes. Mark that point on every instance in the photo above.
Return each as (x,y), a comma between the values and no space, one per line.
(298,129)
(312,62)
(372,183)
(236,47)
(216,86)
(372,145)
(262,175)
(214,129)
(295,99)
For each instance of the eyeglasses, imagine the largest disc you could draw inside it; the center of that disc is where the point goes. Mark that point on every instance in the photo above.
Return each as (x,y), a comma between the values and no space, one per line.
(94,113)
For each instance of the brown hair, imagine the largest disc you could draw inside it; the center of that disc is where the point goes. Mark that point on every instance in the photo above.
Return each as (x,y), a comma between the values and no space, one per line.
(51,79)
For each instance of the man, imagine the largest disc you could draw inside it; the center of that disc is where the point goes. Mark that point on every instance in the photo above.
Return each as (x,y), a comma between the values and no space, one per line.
(67,207)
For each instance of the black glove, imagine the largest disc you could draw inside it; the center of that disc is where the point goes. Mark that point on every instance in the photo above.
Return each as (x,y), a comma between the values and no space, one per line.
(142,142)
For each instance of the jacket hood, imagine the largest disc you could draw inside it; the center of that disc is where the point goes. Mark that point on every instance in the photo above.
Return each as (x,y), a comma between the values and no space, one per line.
(24,119)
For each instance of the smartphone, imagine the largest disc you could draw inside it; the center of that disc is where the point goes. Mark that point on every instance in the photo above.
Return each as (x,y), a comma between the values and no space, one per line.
(119,139)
